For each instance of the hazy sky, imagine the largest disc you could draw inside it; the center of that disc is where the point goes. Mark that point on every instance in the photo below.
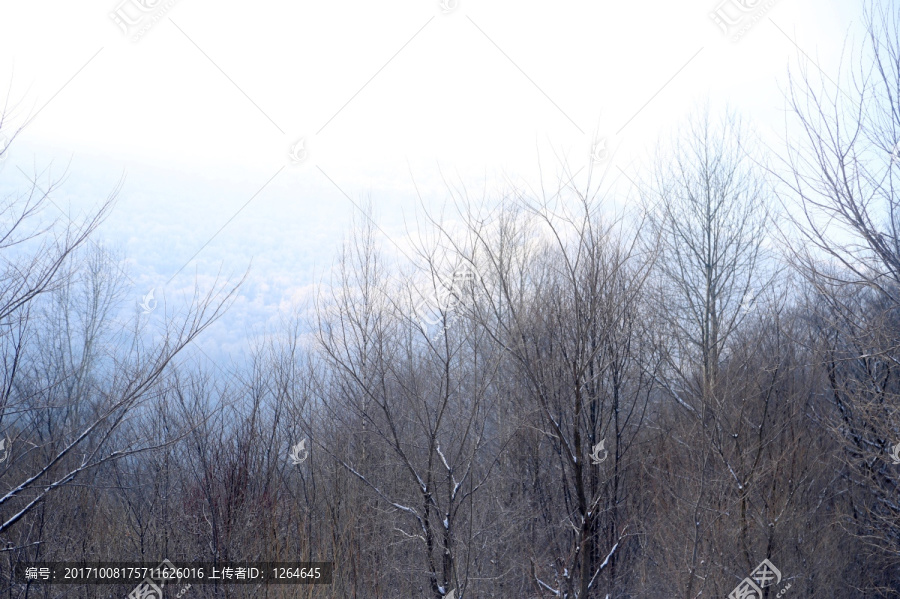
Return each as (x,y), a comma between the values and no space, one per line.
(200,104)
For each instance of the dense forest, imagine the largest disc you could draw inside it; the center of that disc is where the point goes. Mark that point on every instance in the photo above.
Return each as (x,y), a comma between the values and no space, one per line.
(685,386)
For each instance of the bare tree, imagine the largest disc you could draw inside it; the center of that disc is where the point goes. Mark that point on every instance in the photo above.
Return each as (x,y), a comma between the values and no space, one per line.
(91,402)
(840,173)
(416,407)
(708,217)
(565,303)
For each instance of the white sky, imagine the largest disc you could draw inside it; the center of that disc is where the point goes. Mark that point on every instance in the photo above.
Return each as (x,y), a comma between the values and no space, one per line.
(203,109)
